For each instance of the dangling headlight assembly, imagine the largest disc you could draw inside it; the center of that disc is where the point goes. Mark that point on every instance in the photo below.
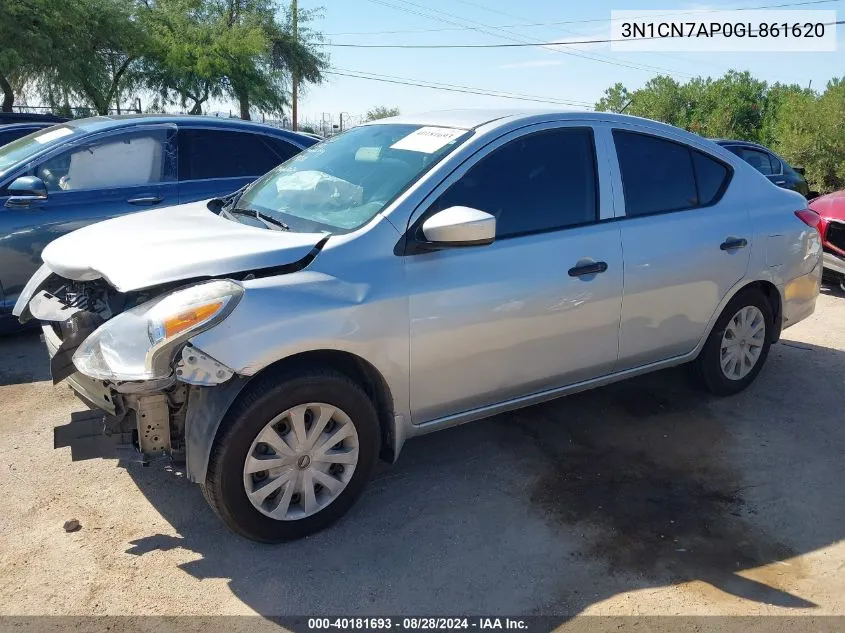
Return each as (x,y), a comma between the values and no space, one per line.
(139,344)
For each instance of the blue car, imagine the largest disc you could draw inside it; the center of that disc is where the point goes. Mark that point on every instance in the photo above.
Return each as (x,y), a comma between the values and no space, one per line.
(63,177)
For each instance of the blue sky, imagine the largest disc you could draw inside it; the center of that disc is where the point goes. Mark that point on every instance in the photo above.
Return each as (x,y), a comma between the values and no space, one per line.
(568,75)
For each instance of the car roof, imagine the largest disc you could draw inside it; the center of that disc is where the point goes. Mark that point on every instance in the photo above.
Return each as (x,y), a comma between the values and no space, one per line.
(26,126)
(471,119)
(728,141)
(112,122)
(7,118)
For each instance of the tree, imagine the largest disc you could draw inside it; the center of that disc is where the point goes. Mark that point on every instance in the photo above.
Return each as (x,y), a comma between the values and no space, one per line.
(810,133)
(615,99)
(27,31)
(381,112)
(94,54)
(205,49)
(661,99)
(802,125)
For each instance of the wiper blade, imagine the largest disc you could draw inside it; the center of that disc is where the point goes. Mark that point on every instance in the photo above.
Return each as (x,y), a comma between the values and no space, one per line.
(265,218)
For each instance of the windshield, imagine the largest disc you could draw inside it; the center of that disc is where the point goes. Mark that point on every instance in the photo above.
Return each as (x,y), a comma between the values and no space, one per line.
(20,150)
(340,184)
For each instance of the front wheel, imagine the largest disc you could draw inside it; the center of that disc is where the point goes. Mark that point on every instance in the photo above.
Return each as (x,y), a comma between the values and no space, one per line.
(738,345)
(293,455)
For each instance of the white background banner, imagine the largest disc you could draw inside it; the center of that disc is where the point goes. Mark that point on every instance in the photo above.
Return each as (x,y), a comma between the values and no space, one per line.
(670,30)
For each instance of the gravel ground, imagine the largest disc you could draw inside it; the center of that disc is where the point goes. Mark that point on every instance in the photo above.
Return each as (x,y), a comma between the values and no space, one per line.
(645,497)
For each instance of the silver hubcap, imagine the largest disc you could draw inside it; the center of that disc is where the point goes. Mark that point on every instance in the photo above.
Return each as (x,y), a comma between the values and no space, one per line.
(742,342)
(301,461)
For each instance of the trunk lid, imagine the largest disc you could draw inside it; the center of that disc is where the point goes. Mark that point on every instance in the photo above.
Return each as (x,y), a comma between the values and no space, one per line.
(164,245)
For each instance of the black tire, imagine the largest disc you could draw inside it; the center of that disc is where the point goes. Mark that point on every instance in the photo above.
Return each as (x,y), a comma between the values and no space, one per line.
(707,368)
(261,402)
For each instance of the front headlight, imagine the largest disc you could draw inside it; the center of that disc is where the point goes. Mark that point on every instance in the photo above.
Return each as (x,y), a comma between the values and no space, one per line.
(139,344)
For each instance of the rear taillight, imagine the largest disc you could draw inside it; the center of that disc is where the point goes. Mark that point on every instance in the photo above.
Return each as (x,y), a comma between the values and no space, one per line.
(811,218)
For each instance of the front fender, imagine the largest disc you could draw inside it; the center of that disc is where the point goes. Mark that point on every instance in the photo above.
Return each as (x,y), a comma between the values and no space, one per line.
(206,408)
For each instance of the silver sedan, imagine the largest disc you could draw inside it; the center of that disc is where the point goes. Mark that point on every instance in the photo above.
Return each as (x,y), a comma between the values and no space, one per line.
(410,275)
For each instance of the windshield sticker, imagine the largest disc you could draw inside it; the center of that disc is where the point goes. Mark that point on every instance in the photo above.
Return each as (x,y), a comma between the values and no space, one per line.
(52,135)
(428,139)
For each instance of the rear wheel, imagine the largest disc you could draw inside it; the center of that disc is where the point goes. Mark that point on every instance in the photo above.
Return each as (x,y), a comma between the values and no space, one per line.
(293,456)
(738,346)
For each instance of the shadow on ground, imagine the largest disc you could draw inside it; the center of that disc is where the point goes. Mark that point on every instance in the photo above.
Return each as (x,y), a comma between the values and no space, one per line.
(554,508)
(24,358)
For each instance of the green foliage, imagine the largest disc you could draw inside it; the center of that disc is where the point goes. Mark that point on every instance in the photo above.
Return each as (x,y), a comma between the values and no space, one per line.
(381,112)
(805,127)
(810,131)
(615,99)
(92,53)
(206,49)
(27,32)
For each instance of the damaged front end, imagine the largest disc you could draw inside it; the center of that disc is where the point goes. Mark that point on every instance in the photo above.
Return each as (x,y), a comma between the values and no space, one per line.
(128,354)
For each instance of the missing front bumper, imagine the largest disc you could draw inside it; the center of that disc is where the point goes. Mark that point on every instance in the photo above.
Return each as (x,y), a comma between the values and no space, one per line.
(142,420)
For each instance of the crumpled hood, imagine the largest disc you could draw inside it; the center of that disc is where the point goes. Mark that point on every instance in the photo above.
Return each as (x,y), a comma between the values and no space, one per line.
(182,242)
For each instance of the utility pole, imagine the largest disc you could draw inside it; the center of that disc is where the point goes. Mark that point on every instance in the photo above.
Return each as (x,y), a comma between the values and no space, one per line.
(294,76)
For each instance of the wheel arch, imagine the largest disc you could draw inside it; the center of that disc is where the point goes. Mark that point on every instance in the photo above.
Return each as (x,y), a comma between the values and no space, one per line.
(772,294)
(359,370)
(208,406)
(767,288)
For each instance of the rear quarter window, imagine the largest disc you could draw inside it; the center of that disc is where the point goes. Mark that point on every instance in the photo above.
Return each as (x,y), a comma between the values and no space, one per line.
(711,177)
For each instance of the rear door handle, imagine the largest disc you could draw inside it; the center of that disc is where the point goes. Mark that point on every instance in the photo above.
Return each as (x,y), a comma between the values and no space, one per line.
(733,243)
(145,200)
(592,268)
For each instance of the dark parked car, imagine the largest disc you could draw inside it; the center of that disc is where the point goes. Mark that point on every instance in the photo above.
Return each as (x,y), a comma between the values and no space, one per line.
(14,131)
(7,118)
(831,226)
(770,165)
(61,178)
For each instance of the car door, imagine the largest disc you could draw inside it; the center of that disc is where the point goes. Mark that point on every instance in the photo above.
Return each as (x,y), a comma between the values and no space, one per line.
(686,236)
(215,162)
(99,178)
(524,314)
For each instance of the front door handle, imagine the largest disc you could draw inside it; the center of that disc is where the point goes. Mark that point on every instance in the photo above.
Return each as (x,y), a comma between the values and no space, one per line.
(145,200)
(592,268)
(733,243)
(780,182)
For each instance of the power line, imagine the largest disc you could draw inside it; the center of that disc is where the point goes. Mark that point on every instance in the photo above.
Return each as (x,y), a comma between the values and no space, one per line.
(508,36)
(524,44)
(570,32)
(461,89)
(595,56)
(486,91)
(592,20)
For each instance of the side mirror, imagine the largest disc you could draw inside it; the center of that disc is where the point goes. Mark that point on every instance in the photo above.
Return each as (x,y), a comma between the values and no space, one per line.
(25,191)
(459,226)
(799,170)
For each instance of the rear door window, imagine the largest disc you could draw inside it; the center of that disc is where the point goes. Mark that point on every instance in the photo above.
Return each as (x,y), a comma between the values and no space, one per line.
(657,174)
(660,176)
(206,153)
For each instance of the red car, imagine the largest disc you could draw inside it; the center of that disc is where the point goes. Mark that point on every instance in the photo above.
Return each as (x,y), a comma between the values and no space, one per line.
(831,210)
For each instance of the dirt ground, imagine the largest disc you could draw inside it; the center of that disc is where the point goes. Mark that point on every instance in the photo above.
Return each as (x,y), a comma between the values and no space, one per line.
(645,497)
